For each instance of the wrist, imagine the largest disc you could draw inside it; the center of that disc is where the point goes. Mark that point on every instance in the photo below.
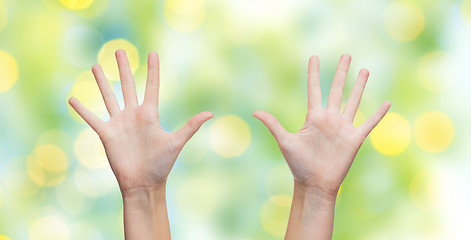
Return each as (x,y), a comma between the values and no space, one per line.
(145,212)
(144,198)
(143,190)
(315,193)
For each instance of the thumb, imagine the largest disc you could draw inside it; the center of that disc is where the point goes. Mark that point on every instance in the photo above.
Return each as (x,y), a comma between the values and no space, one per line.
(271,123)
(192,126)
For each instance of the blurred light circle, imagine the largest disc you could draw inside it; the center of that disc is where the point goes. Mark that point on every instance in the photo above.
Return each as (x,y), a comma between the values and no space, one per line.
(423,190)
(35,172)
(274,215)
(48,165)
(404,21)
(81,44)
(70,198)
(185,6)
(51,158)
(466,12)
(84,231)
(434,131)
(94,183)
(197,197)
(230,136)
(279,180)
(57,137)
(19,184)
(3,237)
(3,15)
(49,228)
(437,71)
(184,15)
(86,90)
(9,71)
(107,59)
(89,150)
(392,135)
(77,4)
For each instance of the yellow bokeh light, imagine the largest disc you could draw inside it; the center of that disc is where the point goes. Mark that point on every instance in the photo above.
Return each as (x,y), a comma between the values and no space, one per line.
(20,185)
(70,198)
(422,190)
(230,136)
(94,183)
(184,15)
(107,59)
(466,12)
(51,158)
(274,215)
(85,230)
(434,131)
(35,172)
(55,136)
(49,228)
(437,71)
(9,71)
(3,237)
(77,4)
(185,6)
(86,90)
(404,21)
(3,15)
(89,150)
(392,135)
(48,165)
(198,197)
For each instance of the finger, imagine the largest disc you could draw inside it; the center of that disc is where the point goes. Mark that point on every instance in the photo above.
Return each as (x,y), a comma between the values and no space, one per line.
(151,95)
(88,116)
(355,97)
(336,90)
(127,81)
(108,96)
(272,124)
(371,123)
(191,127)
(313,84)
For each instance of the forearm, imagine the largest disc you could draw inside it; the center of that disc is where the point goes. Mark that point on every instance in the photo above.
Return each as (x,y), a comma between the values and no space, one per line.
(145,214)
(311,216)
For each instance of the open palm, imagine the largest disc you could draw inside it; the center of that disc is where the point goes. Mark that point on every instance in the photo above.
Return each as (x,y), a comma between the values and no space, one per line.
(140,152)
(321,153)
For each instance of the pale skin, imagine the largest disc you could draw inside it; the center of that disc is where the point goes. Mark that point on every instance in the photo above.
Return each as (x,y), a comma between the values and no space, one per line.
(140,152)
(321,153)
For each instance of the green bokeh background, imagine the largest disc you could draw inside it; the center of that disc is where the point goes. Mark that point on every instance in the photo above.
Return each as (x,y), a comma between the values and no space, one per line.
(237,57)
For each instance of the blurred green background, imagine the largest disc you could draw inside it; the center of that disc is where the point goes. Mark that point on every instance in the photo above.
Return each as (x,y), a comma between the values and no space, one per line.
(410,179)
